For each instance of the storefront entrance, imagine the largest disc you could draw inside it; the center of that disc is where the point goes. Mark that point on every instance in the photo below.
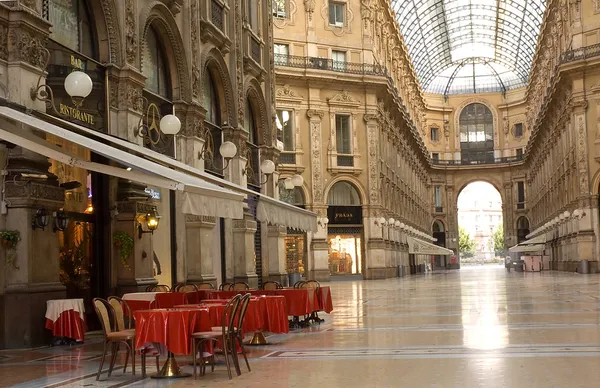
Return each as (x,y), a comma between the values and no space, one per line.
(345,251)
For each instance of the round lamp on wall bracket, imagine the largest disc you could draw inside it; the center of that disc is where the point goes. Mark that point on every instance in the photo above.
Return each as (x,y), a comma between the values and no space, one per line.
(170,124)
(78,85)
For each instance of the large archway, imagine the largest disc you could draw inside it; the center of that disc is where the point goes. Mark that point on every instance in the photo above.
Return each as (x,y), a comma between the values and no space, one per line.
(480,224)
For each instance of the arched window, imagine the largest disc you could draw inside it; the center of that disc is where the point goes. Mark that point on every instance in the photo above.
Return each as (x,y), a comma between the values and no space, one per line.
(154,66)
(254,154)
(157,91)
(476,124)
(343,194)
(213,123)
(438,227)
(71,26)
(522,229)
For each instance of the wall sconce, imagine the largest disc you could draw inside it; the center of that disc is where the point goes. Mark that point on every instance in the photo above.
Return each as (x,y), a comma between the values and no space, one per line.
(402,226)
(77,84)
(391,222)
(291,182)
(40,219)
(228,150)
(322,222)
(152,221)
(380,221)
(267,167)
(397,224)
(61,221)
(156,125)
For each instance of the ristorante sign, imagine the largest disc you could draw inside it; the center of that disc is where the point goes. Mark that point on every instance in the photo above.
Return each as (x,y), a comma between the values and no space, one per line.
(76,114)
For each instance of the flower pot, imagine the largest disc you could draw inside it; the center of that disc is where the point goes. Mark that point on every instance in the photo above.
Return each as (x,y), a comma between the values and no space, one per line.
(118,245)
(6,244)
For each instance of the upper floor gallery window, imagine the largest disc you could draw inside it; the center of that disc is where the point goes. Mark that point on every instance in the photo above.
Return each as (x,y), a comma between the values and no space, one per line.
(337,13)
(71,26)
(281,52)
(519,130)
(252,14)
(343,134)
(213,123)
(434,133)
(254,156)
(155,66)
(280,9)
(476,127)
(339,60)
(285,129)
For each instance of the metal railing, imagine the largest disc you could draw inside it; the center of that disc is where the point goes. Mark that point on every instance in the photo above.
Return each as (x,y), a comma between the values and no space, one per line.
(329,64)
(255,50)
(580,53)
(216,14)
(345,161)
(477,161)
(287,158)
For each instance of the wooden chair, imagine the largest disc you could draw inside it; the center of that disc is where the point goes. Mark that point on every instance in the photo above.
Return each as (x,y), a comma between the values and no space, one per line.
(237,331)
(299,284)
(239,286)
(225,286)
(205,286)
(119,307)
(218,334)
(314,316)
(310,284)
(112,336)
(159,288)
(187,288)
(271,285)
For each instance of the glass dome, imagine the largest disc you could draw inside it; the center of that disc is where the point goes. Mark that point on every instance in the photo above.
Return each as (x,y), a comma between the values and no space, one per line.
(470,46)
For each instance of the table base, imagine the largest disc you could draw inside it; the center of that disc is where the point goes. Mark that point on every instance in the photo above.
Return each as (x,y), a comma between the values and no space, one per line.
(258,339)
(170,370)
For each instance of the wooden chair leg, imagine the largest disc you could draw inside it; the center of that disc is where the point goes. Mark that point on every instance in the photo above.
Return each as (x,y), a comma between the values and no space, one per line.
(126,360)
(234,353)
(157,364)
(113,358)
(143,355)
(102,360)
(194,356)
(132,349)
(244,352)
(226,345)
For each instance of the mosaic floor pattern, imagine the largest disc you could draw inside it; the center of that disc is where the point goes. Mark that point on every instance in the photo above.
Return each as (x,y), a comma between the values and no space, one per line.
(479,327)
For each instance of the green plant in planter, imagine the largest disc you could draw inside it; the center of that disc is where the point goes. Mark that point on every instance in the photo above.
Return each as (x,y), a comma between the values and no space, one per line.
(124,243)
(9,240)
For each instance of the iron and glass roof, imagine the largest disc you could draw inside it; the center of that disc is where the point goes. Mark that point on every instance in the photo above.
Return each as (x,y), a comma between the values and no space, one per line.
(470,46)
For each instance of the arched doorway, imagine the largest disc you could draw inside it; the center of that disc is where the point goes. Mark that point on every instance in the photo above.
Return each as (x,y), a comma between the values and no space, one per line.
(479,223)
(345,230)
(439,233)
(522,229)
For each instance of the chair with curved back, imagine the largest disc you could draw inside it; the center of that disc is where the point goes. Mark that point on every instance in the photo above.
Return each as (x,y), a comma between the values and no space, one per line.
(299,284)
(225,286)
(237,332)
(310,284)
(119,308)
(218,334)
(205,286)
(160,288)
(112,336)
(187,288)
(314,316)
(271,285)
(239,286)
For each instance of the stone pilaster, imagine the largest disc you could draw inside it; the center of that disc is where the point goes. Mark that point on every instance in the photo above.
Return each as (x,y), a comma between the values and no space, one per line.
(200,234)
(244,257)
(275,253)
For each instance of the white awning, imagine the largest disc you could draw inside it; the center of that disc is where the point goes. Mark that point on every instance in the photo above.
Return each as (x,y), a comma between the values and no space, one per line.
(200,197)
(277,212)
(280,213)
(420,247)
(527,248)
(535,244)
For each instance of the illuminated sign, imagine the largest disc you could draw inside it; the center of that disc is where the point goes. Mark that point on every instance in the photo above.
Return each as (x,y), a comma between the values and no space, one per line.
(76,114)
(153,193)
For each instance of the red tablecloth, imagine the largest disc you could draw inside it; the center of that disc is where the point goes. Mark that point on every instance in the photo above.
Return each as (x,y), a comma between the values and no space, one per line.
(299,301)
(165,300)
(69,324)
(275,313)
(171,327)
(324,298)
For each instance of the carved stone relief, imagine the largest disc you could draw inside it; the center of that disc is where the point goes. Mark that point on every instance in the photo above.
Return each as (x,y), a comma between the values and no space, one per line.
(131,45)
(26,47)
(196,72)
(316,156)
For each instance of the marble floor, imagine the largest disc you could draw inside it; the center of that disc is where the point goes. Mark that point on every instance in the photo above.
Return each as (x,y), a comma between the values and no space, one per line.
(477,327)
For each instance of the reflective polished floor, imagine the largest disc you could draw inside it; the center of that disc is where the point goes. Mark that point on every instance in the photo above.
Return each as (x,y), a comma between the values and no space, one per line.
(477,327)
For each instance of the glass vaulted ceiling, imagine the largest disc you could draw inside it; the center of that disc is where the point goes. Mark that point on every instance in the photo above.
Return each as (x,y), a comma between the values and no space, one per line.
(470,46)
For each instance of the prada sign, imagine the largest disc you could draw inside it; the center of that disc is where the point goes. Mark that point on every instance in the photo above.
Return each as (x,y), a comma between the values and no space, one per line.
(345,215)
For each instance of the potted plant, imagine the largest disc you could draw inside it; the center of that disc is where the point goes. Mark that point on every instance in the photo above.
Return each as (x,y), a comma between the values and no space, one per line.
(124,243)
(9,240)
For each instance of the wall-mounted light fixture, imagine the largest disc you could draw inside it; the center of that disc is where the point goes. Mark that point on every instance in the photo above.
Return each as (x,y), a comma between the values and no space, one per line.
(228,150)
(61,221)
(152,221)
(322,222)
(152,125)
(267,167)
(40,219)
(380,221)
(77,84)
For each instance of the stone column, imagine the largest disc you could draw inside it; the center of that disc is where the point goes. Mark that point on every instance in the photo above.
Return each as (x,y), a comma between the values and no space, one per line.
(376,248)
(200,256)
(319,248)
(134,273)
(276,254)
(244,257)
(31,272)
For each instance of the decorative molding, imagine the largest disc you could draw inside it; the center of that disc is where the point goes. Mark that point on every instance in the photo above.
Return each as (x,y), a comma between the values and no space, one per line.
(26,47)
(344,98)
(372,133)
(315,114)
(309,7)
(131,38)
(255,96)
(213,59)
(316,158)
(287,93)
(109,9)
(36,191)
(196,72)
(338,31)
(3,42)
(290,20)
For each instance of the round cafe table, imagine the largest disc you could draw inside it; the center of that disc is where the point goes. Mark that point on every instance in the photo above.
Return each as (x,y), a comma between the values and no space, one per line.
(171,328)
